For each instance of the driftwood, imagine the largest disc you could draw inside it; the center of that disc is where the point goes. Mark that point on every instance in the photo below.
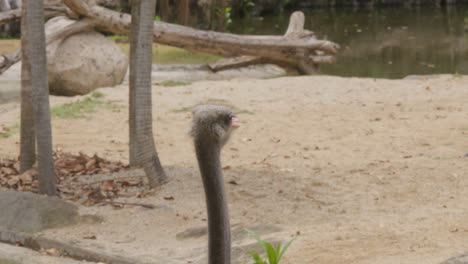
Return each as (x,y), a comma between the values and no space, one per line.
(297,48)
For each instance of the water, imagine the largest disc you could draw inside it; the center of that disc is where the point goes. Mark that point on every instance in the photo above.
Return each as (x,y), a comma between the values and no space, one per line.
(384,42)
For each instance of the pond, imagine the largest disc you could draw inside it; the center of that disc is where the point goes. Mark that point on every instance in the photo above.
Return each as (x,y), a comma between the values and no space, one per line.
(384,42)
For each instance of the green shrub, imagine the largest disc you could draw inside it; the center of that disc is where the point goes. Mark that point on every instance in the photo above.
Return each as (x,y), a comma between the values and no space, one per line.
(273,254)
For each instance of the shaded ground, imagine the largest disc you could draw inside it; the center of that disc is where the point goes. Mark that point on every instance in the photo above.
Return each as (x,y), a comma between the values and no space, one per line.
(367,171)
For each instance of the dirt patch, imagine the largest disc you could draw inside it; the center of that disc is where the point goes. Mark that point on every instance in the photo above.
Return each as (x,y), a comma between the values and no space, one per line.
(367,171)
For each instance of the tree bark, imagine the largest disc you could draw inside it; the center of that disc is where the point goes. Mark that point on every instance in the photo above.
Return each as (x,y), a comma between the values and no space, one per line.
(183,12)
(221,15)
(133,141)
(141,118)
(15,4)
(27,134)
(36,49)
(300,49)
(164,9)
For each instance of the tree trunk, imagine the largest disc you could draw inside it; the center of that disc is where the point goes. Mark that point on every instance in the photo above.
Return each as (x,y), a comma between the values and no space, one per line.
(141,118)
(15,4)
(36,49)
(183,12)
(133,143)
(164,10)
(221,15)
(27,135)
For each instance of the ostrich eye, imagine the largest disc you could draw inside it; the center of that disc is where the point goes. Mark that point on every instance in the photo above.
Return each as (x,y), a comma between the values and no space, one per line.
(228,119)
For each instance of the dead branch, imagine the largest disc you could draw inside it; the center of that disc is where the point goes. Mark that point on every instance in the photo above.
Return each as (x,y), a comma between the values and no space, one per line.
(231,63)
(9,59)
(61,34)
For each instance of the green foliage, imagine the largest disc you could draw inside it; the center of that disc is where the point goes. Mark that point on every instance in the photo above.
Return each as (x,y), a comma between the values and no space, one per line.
(118,38)
(170,83)
(157,18)
(273,254)
(247,5)
(81,108)
(228,16)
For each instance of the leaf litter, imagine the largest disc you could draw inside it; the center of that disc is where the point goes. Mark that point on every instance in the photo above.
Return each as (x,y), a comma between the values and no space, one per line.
(79,178)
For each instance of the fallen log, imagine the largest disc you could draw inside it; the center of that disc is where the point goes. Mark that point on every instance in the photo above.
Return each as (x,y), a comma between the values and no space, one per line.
(298,48)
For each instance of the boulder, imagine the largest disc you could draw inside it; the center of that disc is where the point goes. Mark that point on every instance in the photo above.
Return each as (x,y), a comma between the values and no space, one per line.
(29,212)
(82,62)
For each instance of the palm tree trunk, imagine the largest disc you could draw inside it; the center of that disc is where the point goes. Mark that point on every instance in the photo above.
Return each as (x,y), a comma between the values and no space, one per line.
(27,135)
(36,47)
(141,43)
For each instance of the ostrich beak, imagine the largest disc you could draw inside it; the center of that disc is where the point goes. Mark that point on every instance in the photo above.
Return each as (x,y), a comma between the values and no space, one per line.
(235,122)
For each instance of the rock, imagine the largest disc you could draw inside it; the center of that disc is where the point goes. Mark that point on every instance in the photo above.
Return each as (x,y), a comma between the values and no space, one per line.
(28,212)
(82,62)
(193,232)
(19,255)
(237,231)
(462,259)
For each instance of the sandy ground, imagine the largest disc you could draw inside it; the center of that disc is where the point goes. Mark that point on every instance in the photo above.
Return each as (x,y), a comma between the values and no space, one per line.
(367,171)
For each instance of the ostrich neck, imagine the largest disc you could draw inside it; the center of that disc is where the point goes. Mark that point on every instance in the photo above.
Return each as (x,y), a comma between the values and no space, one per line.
(219,241)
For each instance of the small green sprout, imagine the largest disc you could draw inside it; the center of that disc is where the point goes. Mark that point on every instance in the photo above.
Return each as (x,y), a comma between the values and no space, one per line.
(273,254)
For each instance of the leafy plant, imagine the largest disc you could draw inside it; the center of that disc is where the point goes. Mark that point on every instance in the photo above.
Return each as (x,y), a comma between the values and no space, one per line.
(228,12)
(170,83)
(273,254)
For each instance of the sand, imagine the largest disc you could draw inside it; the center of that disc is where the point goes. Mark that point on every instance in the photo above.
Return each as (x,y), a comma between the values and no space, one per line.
(366,170)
